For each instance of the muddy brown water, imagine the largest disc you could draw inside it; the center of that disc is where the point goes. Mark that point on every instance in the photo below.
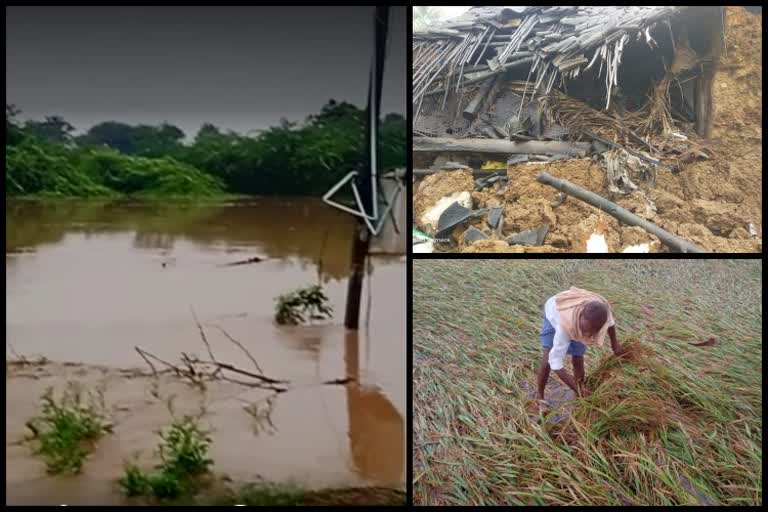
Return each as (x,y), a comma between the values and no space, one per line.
(88,281)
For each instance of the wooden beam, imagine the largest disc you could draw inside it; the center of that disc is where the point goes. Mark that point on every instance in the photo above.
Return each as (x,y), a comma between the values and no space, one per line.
(498,146)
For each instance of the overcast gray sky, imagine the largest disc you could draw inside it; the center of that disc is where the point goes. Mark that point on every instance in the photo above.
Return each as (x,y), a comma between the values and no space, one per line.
(240,68)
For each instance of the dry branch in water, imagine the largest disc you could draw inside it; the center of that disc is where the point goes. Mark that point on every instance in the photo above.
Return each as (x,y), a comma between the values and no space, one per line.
(199,371)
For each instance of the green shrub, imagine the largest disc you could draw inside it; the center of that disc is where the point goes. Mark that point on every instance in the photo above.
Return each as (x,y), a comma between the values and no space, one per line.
(66,429)
(300,305)
(183,452)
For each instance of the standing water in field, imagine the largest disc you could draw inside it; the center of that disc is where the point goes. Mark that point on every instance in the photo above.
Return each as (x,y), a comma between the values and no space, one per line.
(86,282)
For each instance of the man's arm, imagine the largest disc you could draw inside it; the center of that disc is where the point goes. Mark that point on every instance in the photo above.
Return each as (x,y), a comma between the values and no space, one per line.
(560,346)
(615,345)
(567,378)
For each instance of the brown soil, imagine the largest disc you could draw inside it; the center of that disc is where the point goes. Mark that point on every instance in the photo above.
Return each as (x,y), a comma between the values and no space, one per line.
(436,186)
(709,203)
(502,246)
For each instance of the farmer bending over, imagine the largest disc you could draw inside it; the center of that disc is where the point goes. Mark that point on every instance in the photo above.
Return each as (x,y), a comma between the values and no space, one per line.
(573,319)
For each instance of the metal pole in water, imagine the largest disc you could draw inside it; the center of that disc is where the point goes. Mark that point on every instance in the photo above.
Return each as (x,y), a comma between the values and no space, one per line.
(367,182)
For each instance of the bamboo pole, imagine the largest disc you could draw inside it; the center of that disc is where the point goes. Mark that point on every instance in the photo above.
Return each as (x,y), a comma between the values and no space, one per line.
(618,212)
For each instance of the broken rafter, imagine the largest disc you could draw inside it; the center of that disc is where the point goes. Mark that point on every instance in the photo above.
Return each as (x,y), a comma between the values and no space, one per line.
(495,146)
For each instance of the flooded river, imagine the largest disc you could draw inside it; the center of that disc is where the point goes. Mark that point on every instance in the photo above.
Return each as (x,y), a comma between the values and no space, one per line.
(88,281)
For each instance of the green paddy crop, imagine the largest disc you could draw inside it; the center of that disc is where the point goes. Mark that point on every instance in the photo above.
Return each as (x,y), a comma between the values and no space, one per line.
(668,424)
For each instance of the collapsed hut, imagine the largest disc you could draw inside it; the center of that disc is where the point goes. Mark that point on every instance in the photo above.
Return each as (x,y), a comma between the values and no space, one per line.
(626,89)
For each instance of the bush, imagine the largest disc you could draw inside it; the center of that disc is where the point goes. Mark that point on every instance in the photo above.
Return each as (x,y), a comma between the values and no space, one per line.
(293,308)
(183,451)
(65,428)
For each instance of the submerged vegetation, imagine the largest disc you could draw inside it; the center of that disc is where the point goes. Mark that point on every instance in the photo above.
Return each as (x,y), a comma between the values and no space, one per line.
(67,429)
(44,158)
(183,452)
(301,305)
(676,420)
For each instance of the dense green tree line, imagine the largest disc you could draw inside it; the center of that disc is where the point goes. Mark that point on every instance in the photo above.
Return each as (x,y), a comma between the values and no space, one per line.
(45,158)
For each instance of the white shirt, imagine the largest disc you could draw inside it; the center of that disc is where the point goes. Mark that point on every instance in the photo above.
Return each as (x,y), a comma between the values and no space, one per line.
(561,341)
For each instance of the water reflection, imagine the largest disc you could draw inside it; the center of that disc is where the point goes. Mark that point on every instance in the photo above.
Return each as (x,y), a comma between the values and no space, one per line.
(376,428)
(304,228)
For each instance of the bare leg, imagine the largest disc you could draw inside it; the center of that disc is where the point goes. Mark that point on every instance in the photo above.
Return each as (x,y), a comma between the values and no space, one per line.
(578,370)
(543,375)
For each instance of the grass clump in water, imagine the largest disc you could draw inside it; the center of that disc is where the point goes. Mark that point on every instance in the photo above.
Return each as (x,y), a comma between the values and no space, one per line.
(301,305)
(183,451)
(67,429)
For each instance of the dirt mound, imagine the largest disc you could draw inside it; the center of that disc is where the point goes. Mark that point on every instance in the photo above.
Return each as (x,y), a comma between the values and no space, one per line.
(502,246)
(738,88)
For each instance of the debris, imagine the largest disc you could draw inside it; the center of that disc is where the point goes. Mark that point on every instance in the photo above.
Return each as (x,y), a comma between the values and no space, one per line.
(633,153)
(255,259)
(531,237)
(618,212)
(476,173)
(597,244)
(640,248)
(494,216)
(454,215)
(493,165)
(473,235)
(432,216)
(488,180)
(656,119)
(471,111)
(427,247)
(709,343)
(453,166)
(495,146)
(561,197)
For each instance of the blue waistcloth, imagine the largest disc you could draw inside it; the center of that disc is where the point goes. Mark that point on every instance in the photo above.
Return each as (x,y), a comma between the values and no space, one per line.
(547,336)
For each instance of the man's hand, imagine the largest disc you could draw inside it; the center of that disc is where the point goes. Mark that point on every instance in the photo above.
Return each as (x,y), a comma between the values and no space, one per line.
(615,345)
(584,391)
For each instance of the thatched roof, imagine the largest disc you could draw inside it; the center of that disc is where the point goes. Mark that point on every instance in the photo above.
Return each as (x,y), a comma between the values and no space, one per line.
(553,40)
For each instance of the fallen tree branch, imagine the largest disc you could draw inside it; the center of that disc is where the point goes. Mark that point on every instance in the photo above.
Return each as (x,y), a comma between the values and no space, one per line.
(199,371)
(618,212)
(255,259)
(233,340)
(496,146)
(146,355)
(202,334)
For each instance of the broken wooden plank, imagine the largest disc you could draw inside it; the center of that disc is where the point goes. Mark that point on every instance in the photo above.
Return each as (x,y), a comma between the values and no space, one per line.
(438,144)
(619,213)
